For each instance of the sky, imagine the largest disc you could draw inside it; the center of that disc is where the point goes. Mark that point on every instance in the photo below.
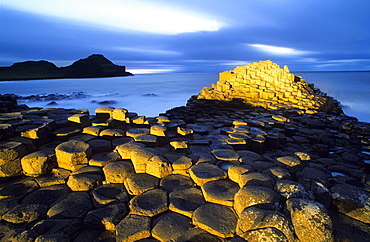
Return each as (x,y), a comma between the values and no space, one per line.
(189,36)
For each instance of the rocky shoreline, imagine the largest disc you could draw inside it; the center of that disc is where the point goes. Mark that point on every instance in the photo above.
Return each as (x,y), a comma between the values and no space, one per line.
(213,170)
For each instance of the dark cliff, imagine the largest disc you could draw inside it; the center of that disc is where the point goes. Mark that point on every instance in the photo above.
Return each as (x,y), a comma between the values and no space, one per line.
(90,67)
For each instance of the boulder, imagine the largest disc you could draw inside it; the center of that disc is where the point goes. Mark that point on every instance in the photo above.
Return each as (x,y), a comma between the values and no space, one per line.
(234,172)
(149,203)
(133,228)
(186,201)
(100,146)
(352,201)
(290,163)
(6,131)
(264,234)
(310,220)
(101,159)
(10,158)
(252,218)
(169,226)
(255,179)
(47,195)
(109,193)
(140,182)
(261,197)
(106,218)
(291,189)
(140,158)
(74,205)
(25,213)
(126,149)
(118,171)
(220,192)
(80,120)
(137,131)
(158,166)
(112,133)
(204,172)
(216,219)
(85,178)
(38,163)
(70,154)
(197,234)
(226,155)
(50,226)
(175,182)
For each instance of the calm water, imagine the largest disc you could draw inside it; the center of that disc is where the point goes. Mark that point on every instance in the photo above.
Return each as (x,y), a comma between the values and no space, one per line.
(151,94)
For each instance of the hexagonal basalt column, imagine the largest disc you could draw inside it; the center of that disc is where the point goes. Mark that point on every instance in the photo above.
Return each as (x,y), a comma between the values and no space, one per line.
(72,153)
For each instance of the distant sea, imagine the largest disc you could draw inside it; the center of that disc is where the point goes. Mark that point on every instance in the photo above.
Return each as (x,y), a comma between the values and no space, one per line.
(151,94)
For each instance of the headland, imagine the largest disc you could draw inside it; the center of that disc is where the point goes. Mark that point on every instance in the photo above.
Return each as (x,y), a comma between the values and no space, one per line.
(91,67)
(260,155)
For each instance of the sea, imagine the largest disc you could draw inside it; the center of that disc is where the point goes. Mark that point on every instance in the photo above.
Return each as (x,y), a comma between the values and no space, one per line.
(152,94)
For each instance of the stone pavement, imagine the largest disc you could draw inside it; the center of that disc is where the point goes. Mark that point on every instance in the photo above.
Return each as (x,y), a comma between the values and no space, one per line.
(91,185)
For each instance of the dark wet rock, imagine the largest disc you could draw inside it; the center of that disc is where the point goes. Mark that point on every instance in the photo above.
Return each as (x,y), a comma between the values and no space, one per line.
(17,188)
(109,193)
(310,220)
(100,145)
(261,197)
(149,203)
(25,213)
(352,201)
(291,189)
(252,218)
(264,234)
(220,192)
(85,178)
(255,179)
(53,237)
(58,226)
(74,205)
(140,182)
(133,228)
(175,182)
(204,172)
(289,163)
(169,226)
(47,195)
(216,219)
(118,171)
(106,218)
(197,234)
(225,154)
(186,201)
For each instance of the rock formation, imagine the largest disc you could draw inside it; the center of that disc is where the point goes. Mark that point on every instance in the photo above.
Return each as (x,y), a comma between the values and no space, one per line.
(266,85)
(210,171)
(90,67)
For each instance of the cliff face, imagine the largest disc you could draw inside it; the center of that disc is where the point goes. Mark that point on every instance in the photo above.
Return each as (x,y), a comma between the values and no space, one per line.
(267,85)
(93,66)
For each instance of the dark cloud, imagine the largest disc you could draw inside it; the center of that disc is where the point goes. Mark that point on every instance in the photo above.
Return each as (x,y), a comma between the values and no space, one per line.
(321,35)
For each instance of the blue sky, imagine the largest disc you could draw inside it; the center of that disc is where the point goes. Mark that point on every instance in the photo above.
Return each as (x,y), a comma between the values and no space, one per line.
(192,35)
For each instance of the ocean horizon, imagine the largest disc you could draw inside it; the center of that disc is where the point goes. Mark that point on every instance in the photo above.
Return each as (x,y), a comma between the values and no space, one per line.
(152,94)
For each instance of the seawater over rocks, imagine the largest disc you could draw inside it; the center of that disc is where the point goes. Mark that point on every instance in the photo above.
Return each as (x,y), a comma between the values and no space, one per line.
(209,171)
